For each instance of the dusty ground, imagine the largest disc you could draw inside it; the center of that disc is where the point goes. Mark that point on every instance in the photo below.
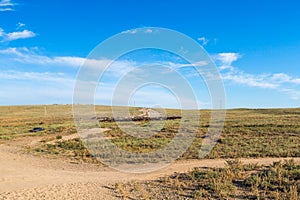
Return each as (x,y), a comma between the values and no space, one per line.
(24,176)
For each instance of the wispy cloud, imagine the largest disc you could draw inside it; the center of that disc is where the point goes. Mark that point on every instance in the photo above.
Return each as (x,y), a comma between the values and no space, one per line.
(2,33)
(23,55)
(53,80)
(35,87)
(19,35)
(280,82)
(5,9)
(117,68)
(50,87)
(203,40)
(239,77)
(227,58)
(20,25)
(59,77)
(30,56)
(6,5)
(284,78)
(292,93)
(148,30)
(224,61)
(175,65)
(134,31)
(6,37)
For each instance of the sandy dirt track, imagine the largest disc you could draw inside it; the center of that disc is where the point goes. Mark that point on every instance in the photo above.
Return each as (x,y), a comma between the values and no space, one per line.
(23,176)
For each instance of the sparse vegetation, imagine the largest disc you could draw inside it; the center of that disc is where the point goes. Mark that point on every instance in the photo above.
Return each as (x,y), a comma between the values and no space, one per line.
(235,181)
(246,133)
(71,148)
(249,133)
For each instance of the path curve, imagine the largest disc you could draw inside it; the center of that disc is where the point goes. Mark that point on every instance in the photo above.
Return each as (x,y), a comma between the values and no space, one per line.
(24,176)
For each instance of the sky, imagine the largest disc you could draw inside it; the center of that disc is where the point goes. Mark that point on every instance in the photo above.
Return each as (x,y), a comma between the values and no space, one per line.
(254,44)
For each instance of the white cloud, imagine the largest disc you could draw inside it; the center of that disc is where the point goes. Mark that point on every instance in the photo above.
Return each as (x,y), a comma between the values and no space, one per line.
(6,5)
(249,80)
(232,74)
(203,40)
(30,56)
(296,80)
(14,51)
(227,58)
(25,55)
(148,30)
(1,32)
(55,87)
(294,94)
(66,60)
(271,81)
(20,25)
(6,37)
(133,31)
(19,35)
(36,76)
(277,81)
(19,87)
(226,67)
(284,78)
(174,65)
(280,82)
(5,9)
(117,68)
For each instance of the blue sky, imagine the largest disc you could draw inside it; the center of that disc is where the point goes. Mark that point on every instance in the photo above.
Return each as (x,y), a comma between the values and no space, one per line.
(255,44)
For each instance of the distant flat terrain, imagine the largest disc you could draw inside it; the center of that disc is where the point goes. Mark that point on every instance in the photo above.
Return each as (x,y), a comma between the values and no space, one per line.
(53,163)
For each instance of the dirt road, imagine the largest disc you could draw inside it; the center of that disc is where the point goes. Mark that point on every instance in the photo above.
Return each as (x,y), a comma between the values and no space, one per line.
(24,176)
